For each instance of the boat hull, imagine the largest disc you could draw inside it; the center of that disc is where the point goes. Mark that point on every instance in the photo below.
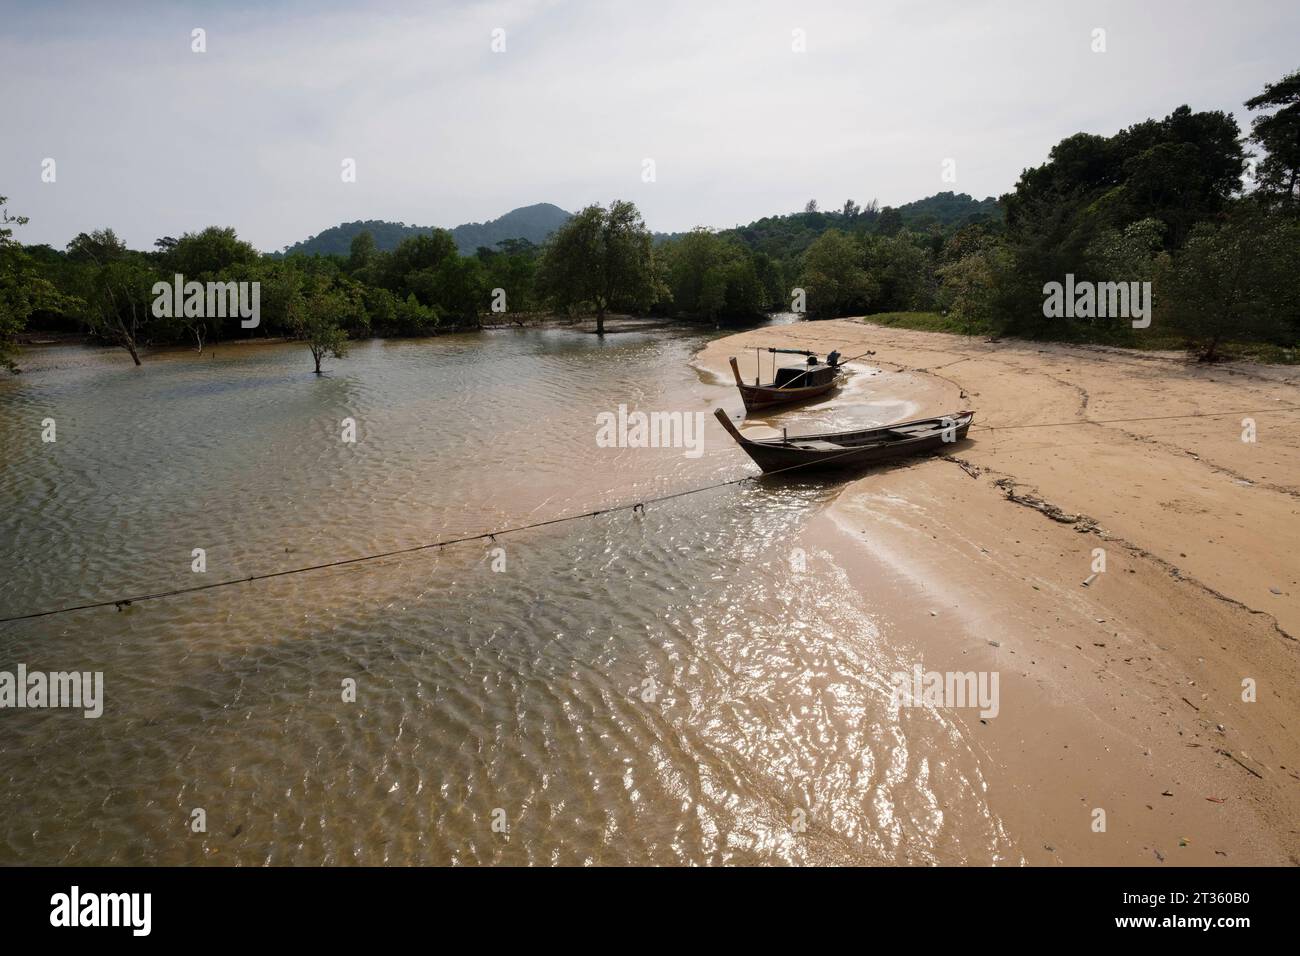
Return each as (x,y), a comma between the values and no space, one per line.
(756,397)
(762,396)
(852,450)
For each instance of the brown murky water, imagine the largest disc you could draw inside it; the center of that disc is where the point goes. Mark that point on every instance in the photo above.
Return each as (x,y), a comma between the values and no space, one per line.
(657,688)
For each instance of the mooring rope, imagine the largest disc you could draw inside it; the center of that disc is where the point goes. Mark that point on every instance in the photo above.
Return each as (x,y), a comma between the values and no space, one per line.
(637,506)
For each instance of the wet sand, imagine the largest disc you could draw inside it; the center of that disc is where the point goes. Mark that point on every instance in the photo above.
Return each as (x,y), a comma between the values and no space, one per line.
(1124,695)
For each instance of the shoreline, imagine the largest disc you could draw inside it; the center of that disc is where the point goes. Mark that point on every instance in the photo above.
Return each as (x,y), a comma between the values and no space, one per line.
(1123,695)
(615,322)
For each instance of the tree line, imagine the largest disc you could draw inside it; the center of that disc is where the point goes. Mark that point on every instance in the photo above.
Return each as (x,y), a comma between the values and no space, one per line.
(1162,201)
(99,287)
(602,260)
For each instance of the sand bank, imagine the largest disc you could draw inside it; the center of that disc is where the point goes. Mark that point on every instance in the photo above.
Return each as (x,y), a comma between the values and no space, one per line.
(1124,695)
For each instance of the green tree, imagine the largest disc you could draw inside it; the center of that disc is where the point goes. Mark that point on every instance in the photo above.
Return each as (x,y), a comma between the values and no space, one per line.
(458,288)
(834,276)
(969,285)
(903,271)
(1181,170)
(1128,255)
(281,296)
(416,319)
(22,290)
(771,280)
(215,254)
(1278,134)
(602,257)
(379,307)
(711,278)
(889,222)
(117,291)
(362,251)
(416,255)
(319,319)
(97,247)
(1239,280)
(512,267)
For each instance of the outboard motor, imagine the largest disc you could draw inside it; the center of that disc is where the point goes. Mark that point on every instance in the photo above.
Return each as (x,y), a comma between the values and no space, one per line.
(833,359)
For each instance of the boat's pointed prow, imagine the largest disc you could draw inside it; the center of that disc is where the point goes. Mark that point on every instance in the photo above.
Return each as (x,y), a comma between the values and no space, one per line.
(735,370)
(722,416)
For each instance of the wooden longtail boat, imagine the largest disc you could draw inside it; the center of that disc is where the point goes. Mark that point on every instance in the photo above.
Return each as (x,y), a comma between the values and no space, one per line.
(790,383)
(851,449)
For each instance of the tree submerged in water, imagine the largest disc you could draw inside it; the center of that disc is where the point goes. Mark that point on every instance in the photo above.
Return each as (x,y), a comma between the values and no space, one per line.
(115,292)
(319,321)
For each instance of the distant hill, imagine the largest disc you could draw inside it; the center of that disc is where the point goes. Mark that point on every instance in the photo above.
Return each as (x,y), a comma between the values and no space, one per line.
(947,209)
(778,235)
(533,223)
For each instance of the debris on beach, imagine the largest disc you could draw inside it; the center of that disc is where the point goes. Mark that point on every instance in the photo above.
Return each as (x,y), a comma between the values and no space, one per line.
(1008,486)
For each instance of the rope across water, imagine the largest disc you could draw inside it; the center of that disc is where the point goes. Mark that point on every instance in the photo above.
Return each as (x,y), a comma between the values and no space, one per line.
(560,519)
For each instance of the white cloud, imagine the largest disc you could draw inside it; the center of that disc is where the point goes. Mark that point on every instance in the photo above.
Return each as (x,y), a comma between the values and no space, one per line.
(153,139)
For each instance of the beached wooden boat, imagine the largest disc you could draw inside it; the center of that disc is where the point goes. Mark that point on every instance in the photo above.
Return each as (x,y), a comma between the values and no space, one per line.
(851,449)
(790,383)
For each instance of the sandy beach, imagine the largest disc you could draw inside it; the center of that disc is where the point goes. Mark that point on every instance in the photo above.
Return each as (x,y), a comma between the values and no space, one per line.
(1124,694)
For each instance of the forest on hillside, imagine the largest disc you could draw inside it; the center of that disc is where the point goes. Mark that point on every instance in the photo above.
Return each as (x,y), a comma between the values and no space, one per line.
(1207,214)
(534,223)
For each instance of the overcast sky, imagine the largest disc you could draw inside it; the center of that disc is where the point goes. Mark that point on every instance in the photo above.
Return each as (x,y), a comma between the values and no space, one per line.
(153,139)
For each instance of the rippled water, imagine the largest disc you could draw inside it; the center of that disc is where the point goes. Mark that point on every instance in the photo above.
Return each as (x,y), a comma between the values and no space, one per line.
(657,688)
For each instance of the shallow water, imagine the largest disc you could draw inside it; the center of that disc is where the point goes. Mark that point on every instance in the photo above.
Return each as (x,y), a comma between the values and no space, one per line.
(666,687)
